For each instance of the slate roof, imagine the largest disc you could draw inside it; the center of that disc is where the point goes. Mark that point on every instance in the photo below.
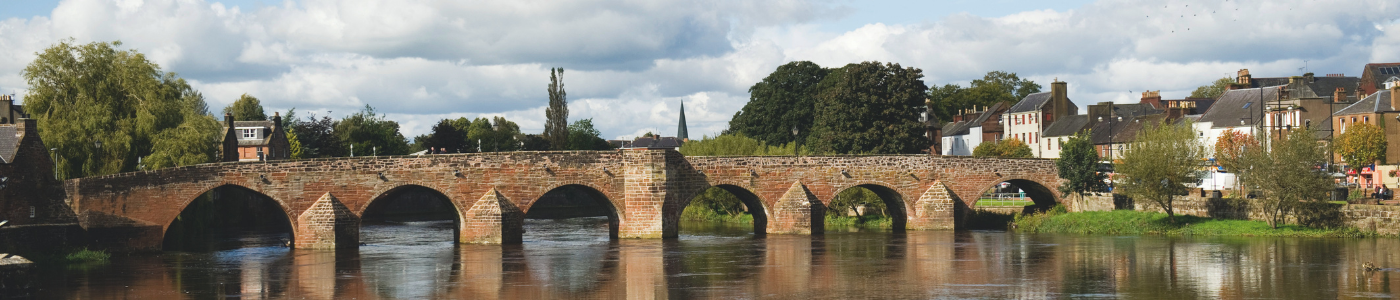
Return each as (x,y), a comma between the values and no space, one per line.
(1134,109)
(1030,103)
(1320,87)
(1377,102)
(9,143)
(266,134)
(1066,126)
(1124,131)
(961,128)
(1234,105)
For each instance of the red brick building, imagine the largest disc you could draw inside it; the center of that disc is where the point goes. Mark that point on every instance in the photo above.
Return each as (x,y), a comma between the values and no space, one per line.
(255,140)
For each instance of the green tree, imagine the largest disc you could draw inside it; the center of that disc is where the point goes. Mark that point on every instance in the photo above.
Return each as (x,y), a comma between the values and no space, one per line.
(870,107)
(556,121)
(734,145)
(1214,89)
(1360,145)
(445,138)
(849,199)
(1079,166)
(371,134)
(1286,172)
(497,134)
(81,95)
(782,101)
(318,138)
(289,123)
(1162,159)
(582,136)
(246,108)
(994,87)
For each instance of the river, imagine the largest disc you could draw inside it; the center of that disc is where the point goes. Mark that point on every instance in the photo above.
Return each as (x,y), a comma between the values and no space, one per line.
(574,259)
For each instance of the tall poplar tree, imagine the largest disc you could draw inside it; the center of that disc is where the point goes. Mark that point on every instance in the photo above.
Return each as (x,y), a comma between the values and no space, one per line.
(556,124)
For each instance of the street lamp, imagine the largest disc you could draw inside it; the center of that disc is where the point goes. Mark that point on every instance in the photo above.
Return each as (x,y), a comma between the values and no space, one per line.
(796,144)
(496,128)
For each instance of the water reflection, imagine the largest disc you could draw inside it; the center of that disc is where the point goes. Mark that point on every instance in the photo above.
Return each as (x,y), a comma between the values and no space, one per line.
(574,258)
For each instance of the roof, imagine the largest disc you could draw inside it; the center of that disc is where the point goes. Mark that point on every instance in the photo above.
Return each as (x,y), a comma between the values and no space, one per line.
(9,143)
(1320,87)
(267,132)
(1235,105)
(1370,104)
(1134,109)
(264,124)
(1066,126)
(961,128)
(1124,131)
(1030,103)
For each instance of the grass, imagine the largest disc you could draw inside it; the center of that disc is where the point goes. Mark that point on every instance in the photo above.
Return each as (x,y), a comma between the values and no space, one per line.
(1003,202)
(705,215)
(867,222)
(73,258)
(87,256)
(1126,222)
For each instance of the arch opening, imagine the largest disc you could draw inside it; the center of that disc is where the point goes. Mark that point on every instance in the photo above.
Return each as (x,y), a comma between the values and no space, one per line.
(410,214)
(723,207)
(867,206)
(995,207)
(229,217)
(566,211)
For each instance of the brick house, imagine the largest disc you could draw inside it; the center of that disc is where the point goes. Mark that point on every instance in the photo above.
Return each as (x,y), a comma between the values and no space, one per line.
(31,198)
(1374,77)
(255,140)
(1378,109)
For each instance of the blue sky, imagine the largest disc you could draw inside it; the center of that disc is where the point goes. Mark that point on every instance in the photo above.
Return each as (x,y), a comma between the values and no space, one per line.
(631,63)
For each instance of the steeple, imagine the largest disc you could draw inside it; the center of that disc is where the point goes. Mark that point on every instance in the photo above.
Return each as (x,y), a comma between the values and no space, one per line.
(681,132)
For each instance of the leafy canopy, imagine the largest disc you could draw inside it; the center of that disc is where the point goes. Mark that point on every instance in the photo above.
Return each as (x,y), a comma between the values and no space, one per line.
(1285,173)
(81,95)
(1007,148)
(1079,165)
(1214,89)
(997,86)
(1361,145)
(371,134)
(582,136)
(870,107)
(782,101)
(1159,163)
(556,122)
(246,108)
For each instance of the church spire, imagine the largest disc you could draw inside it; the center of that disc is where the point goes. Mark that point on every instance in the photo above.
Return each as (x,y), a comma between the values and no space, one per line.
(681,132)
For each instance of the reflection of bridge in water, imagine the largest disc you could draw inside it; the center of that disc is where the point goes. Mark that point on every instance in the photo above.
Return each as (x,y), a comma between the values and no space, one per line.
(644,191)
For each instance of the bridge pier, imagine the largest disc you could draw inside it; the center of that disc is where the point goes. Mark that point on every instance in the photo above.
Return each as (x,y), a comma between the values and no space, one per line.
(645,192)
(493,219)
(798,212)
(935,209)
(327,224)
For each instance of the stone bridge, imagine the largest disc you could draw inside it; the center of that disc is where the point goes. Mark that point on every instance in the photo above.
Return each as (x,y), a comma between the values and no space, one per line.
(646,190)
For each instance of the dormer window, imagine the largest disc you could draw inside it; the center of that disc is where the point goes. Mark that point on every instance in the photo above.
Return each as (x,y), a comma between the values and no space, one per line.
(250,133)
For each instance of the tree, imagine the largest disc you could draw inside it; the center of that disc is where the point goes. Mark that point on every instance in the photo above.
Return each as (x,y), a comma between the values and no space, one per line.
(556,122)
(317,137)
(582,136)
(1079,166)
(1163,158)
(1288,172)
(870,108)
(994,87)
(1007,148)
(1230,150)
(445,138)
(734,144)
(81,95)
(246,108)
(1360,145)
(289,122)
(371,134)
(496,134)
(1214,89)
(782,101)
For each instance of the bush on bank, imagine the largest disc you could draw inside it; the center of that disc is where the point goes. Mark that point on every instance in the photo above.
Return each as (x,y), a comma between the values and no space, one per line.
(1127,222)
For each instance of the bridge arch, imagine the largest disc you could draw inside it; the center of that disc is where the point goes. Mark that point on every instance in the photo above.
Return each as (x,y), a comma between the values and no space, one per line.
(432,204)
(198,220)
(755,204)
(897,206)
(560,193)
(1040,194)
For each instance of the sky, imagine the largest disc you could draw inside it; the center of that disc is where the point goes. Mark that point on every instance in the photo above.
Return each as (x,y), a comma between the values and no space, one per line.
(629,65)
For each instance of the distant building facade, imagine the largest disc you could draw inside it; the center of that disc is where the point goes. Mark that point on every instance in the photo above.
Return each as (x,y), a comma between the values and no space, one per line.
(255,140)
(1026,120)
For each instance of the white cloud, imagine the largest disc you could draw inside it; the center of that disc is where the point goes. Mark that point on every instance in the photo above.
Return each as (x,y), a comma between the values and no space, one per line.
(630,63)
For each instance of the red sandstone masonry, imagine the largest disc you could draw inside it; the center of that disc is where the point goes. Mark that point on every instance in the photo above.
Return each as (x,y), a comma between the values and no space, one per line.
(647,188)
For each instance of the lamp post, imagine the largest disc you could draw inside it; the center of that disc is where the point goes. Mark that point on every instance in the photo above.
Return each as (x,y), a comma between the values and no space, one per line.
(352,150)
(796,144)
(496,128)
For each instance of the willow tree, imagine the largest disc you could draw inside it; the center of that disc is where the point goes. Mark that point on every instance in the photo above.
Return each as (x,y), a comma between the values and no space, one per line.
(107,111)
(1286,172)
(1159,163)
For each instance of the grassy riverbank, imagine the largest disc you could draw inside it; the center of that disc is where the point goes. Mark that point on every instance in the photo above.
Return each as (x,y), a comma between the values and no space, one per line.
(864,222)
(1127,222)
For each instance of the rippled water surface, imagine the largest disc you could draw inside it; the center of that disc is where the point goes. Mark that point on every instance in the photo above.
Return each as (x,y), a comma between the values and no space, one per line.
(574,258)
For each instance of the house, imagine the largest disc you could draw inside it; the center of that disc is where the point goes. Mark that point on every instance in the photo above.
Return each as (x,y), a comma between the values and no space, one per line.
(1027,119)
(1239,109)
(1176,108)
(31,197)
(1055,135)
(1375,76)
(255,140)
(1379,109)
(1336,88)
(970,128)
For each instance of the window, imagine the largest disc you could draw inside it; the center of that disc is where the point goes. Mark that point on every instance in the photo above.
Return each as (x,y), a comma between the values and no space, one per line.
(1365,119)
(249,133)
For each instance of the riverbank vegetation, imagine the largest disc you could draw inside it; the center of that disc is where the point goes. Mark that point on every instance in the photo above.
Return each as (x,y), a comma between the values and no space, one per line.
(856,207)
(1127,222)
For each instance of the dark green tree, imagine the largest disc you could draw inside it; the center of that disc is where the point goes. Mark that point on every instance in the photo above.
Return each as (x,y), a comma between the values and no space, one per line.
(371,134)
(870,108)
(1079,166)
(1163,158)
(496,134)
(556,121)
(445,138)
(582,136)
(318,139)
(783,100)
(1285,172)
(85,94)
(1006,148)
(246,108)
(994,87)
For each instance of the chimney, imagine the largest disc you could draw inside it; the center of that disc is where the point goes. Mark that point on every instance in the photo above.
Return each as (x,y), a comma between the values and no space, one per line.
(1394,97)
(1060,100)
(1308,77)
(230,143)
(7,113)
(1242,77)
(1340,95)
(1153,98)
(1100,110)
